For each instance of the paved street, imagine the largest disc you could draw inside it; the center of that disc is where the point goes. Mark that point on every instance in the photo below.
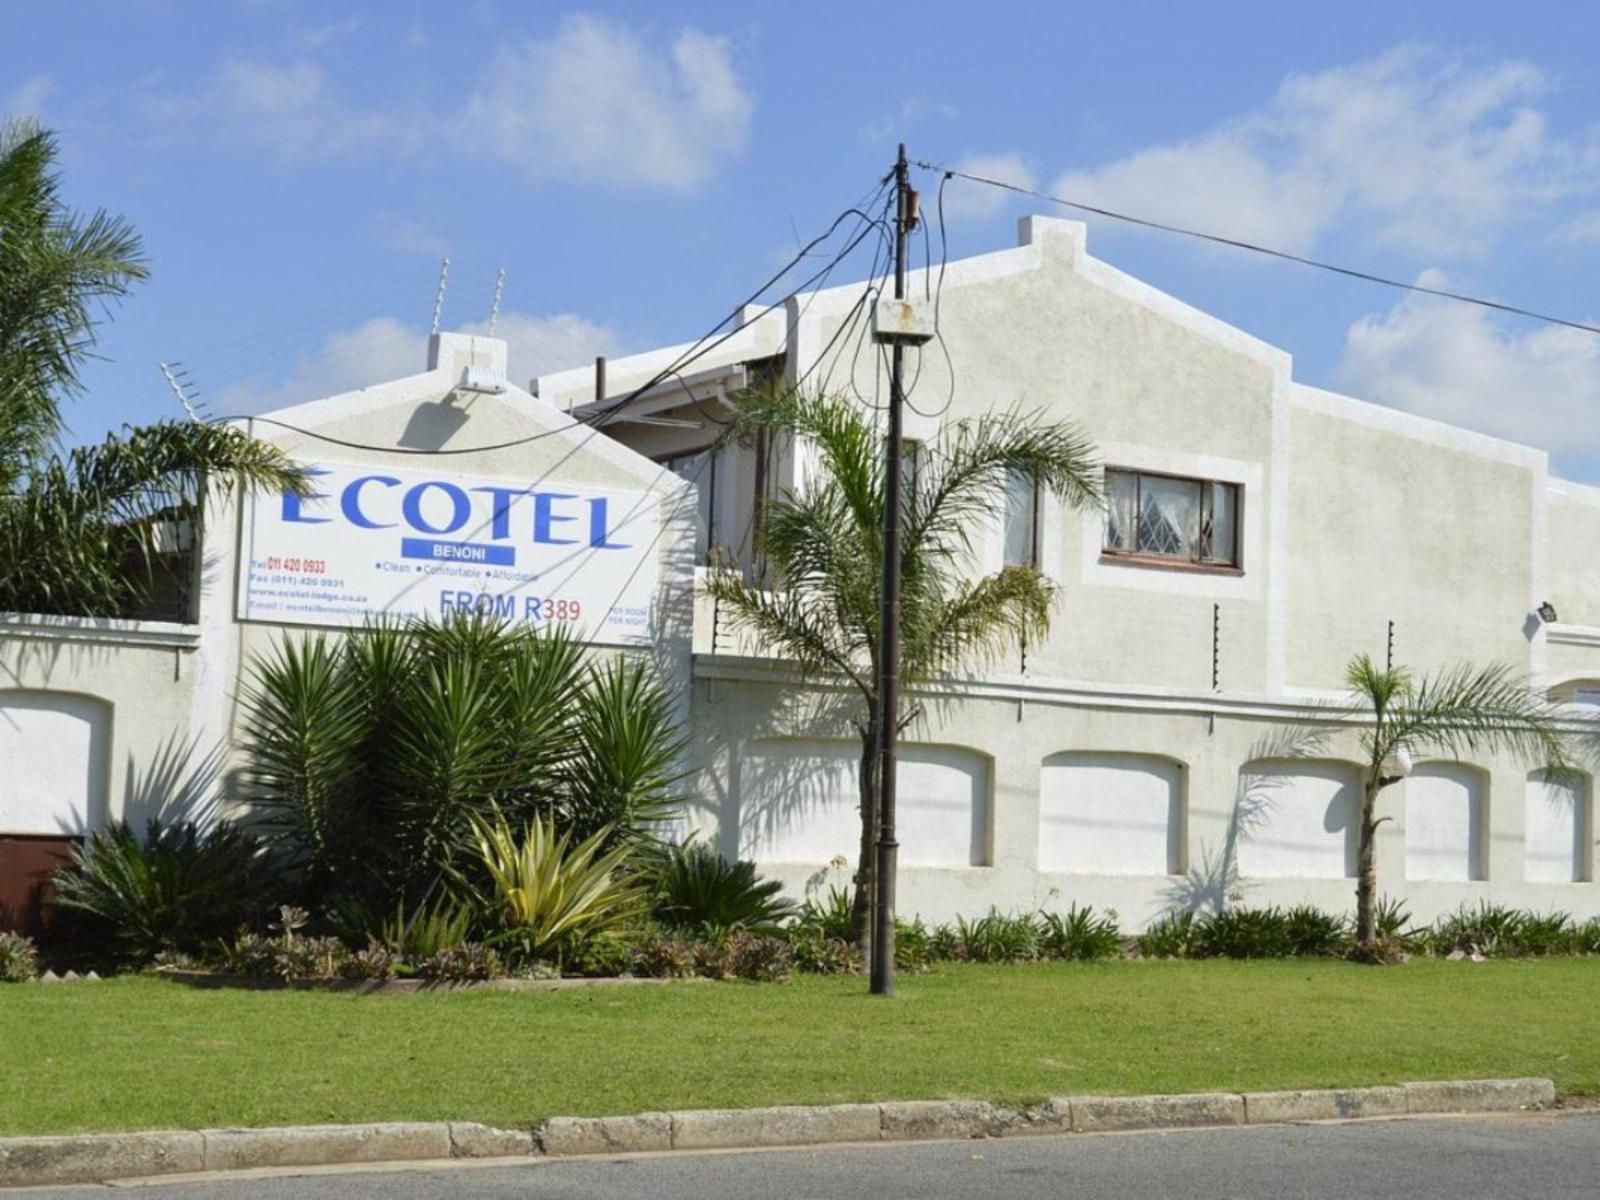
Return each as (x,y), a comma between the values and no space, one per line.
(1529,1158)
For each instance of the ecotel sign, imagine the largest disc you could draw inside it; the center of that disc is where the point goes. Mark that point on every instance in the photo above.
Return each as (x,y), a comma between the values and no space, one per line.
(370,541)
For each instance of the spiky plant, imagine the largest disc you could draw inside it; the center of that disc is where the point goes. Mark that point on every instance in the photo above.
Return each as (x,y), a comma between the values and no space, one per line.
(697,889)
(1460,711)
(546,893)
(824,545)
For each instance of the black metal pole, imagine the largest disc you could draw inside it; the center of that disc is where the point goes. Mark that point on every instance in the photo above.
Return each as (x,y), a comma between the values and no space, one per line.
(882,967)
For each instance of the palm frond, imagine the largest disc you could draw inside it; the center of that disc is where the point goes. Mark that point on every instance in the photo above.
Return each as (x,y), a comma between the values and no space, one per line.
(1469,709)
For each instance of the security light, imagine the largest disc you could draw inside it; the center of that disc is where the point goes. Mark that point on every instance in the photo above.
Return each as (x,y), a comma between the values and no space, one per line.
(1547,612)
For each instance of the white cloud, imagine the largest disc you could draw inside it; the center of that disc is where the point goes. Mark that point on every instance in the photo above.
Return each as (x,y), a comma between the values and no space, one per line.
(412,237)
(1456,363)
(1435,154)
(1583,228)
(594,103)
(913,111)
(385,348)
(965,200)
(27,100)
(288,108)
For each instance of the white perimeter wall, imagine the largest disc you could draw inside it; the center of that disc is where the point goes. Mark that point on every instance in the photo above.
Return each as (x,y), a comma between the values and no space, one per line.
(1110,814)
(54,750)
(1298,820)
(1444,822)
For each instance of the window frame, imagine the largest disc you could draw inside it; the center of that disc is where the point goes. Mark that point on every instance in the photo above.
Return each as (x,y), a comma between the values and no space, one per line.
(1036,515)
(1168,562)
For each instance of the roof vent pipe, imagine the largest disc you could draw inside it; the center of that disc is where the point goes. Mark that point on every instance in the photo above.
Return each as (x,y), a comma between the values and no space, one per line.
(600,377)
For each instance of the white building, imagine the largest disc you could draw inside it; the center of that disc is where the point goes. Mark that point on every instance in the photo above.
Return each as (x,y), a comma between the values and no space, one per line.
(1138,758)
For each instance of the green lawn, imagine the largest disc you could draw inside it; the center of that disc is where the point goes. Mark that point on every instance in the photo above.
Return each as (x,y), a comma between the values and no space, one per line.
(146,1053)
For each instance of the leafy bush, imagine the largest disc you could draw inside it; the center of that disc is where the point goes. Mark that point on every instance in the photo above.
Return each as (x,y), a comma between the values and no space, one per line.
(297,958)
(663,958)
(945,943)
(1079,935)
(1490,929)
(996,937)
(376,962)
(180,889)
(696,889)
(469,962)
(1244,933)
(603,956)
(546,895)
(1170,936)
(758,957)
(370,755)
(19,961)
(711,958)
(1313,933)
(249,955)
(1543,934)
(831,916)
(818,954)
(1392,918)
(913,950)
(1586,937)
(433,927)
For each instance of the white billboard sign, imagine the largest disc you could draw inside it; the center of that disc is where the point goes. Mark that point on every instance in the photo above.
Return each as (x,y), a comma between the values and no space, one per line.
(375,541)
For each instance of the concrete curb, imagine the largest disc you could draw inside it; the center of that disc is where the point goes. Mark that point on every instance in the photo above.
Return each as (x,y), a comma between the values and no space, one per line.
(97,1158)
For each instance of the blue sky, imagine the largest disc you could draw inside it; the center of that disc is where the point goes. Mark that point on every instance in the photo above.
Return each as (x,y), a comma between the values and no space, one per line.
(298,169)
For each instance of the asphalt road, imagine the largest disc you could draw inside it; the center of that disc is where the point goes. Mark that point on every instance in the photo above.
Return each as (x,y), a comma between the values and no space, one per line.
(1523,1157)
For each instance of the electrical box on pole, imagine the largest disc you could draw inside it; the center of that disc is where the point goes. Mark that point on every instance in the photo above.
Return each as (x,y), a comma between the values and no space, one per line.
(899,322)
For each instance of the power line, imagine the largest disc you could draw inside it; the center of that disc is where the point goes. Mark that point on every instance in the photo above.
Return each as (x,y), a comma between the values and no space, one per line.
(1268,251)
(696,350)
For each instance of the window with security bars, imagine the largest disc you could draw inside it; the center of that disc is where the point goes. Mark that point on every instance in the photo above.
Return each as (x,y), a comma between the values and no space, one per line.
(1172,519)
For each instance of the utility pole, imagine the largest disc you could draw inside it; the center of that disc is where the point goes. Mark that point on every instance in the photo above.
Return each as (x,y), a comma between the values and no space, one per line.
(887,849)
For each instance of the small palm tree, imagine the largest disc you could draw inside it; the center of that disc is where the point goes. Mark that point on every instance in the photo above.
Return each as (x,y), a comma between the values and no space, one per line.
(824,545)
(1460,711)
(72,525)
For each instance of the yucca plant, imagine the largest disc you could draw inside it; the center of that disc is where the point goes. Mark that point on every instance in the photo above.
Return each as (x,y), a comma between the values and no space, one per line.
(180,889)
(371,756)
(1172,935)
(1079,934)
(545,893)
(696,889)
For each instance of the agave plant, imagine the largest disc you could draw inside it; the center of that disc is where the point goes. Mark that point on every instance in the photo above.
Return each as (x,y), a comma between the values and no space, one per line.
(179,890)
(546,893)
(698,889)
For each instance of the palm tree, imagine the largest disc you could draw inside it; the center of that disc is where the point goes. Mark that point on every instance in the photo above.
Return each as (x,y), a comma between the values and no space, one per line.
(1460,711)
(73,524)
(823,543)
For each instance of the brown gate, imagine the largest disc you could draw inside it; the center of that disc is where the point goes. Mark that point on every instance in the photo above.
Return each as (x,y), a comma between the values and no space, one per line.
(26,861)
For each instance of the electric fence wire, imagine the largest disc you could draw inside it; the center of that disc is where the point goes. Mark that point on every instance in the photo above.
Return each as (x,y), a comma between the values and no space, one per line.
(695,351)
(1268,251)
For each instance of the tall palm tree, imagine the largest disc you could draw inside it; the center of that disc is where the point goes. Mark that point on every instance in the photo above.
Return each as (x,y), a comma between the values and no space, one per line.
(823,545)
(1460,711)
(73,524)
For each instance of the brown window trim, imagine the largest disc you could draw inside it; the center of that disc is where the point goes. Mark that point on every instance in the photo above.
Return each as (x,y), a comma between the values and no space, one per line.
(1196,566)
(1126,559)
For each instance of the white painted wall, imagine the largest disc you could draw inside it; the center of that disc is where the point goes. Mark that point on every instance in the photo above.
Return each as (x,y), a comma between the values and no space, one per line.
(1110,814)
(1444,822)
(799,803)
(1555,823)
(53,762)
(1298,820)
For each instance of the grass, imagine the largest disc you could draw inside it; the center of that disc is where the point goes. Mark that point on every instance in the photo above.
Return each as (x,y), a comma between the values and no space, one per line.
(138,1053)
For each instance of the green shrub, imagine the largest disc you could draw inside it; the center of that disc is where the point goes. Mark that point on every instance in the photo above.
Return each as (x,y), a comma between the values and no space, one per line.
(711,958)
(249,955)
(180,889)
(1491,929)
(913,951)
(1244,933)
(1392,918)
(546,895)
(818,954)
(604,956)
(945,943)
(696,889)
(660,957)
(19,961)
(376,962)
(469,962)
(370,753)
(831,915)
(757,957)
(297,958)
(1313,933)
(1079,935)
(1586,937)
(997,937)
(1170,936)
(436,926)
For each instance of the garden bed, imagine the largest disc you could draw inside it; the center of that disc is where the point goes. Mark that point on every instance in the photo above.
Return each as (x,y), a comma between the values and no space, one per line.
(220,979)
